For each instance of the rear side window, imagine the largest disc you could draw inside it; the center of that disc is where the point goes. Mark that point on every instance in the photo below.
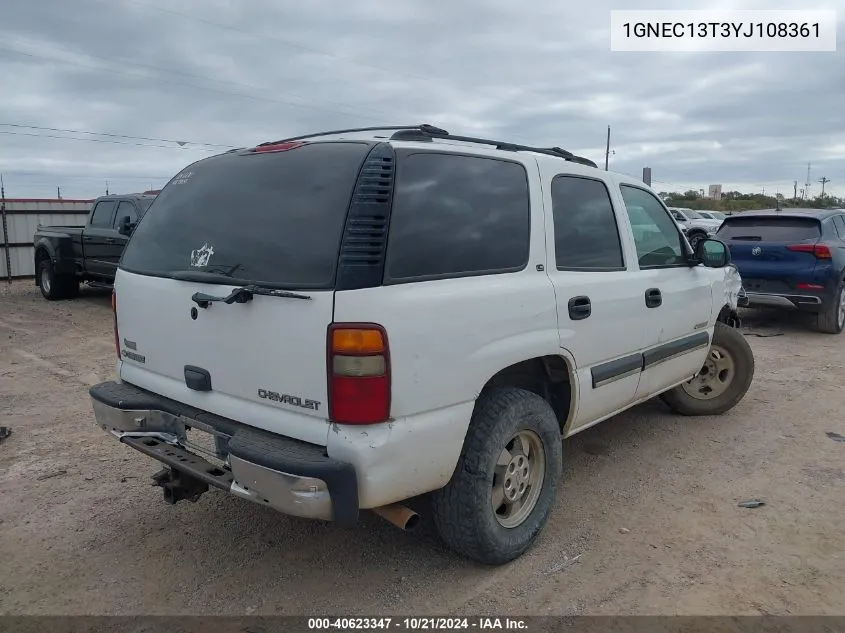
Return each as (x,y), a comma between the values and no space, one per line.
(275,217)
(586,234)
(103,213)
(769,229)
(457,215)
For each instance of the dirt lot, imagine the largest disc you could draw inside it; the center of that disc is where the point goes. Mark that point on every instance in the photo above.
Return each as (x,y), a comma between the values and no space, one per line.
(649,505)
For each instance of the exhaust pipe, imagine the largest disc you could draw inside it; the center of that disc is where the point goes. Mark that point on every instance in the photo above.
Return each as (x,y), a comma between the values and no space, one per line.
(402,517)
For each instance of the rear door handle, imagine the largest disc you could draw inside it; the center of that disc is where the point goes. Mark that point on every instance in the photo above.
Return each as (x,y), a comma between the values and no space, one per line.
(579,308)
(111,240)
(653,298)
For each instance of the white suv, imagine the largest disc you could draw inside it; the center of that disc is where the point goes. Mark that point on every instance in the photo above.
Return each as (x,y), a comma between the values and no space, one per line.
(349,320)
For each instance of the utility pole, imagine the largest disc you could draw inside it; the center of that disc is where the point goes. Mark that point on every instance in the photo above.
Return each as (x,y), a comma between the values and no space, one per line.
(607,150)
(107,187)
(795,192)
(58,192)
(807,184)
(824,181)
(6,248)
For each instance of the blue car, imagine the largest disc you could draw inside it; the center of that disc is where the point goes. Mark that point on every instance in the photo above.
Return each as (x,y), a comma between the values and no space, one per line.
(792,259)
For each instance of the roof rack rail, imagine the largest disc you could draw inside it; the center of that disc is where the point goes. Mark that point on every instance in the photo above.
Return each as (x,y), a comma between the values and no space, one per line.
(427,133)
(425,128)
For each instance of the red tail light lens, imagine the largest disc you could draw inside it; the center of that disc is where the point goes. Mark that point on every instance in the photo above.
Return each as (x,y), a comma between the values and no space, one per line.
(114,314)
(359,373)
(820,251)
(808,286)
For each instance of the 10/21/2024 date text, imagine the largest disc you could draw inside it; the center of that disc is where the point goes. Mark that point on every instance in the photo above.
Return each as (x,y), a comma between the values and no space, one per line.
(418,624)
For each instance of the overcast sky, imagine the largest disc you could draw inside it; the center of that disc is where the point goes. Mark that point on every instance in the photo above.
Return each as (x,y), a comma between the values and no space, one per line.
(235,73)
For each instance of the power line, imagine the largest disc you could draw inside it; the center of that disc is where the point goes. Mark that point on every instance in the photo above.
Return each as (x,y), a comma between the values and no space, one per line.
(95,140)
(139,138)
(183,84)
(279,40)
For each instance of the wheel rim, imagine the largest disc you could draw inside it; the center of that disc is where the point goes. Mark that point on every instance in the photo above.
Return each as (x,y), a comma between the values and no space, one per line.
(841,313)
(715,377)
(694,240)
(518,479)
(46,283)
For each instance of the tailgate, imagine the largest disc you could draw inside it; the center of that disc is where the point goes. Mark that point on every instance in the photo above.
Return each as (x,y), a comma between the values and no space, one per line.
(265,359)
(272,220)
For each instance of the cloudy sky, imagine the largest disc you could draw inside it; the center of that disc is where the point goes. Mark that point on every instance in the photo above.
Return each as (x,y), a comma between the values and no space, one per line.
(144,74)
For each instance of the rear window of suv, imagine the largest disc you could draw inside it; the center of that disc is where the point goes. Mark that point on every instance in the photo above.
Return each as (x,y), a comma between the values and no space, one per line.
(274,218)
(769,229)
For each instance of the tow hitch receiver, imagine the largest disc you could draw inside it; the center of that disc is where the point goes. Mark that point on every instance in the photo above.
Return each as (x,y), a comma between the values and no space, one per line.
(179,486)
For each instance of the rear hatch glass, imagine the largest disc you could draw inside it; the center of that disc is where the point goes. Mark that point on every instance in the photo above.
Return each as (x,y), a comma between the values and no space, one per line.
(770,229)
(270,219)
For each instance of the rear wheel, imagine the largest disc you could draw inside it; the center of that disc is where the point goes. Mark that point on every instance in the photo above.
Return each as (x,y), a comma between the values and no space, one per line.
(831,320)
(53,286)
(503,488)
(723,380)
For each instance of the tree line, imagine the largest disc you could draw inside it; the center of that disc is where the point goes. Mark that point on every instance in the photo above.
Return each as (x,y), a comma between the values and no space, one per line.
(737,201)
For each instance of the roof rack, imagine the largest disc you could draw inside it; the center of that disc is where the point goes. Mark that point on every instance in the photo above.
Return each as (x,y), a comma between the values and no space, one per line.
(379,128)
(426,132)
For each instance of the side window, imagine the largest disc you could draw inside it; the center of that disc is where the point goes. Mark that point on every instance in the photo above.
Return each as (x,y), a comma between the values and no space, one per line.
(839,223)
(123,209)
(586,234)
(680,217)
(103,213)
(656,236)
(457,215)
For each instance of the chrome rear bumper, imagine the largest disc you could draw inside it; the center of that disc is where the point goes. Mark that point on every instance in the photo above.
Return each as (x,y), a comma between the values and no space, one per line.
(287,475)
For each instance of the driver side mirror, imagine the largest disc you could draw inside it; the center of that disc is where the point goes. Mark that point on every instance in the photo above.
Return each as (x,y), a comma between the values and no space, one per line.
(712,253)
(126,225)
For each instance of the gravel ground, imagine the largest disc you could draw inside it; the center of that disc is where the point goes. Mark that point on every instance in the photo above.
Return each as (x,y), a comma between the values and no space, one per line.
(647,521)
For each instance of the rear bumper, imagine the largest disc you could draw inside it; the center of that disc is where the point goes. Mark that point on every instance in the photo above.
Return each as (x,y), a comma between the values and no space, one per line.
(804,303)
(290,476)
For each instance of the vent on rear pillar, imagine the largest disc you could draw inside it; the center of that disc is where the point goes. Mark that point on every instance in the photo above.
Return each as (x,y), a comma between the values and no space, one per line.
(362,249)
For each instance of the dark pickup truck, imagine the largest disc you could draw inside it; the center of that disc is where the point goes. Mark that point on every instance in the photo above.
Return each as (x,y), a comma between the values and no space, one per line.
(65,256)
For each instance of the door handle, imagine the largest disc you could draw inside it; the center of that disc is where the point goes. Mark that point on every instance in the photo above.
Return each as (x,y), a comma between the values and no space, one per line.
(111,240)
(579,308)
(653,298)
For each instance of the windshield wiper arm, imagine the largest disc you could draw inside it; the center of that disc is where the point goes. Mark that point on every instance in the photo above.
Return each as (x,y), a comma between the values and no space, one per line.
(244,294)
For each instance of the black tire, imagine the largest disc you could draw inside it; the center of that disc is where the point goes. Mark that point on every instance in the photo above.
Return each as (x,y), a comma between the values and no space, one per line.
(695,237)
(734,343)
(54,287)
(463,511)
(829,320)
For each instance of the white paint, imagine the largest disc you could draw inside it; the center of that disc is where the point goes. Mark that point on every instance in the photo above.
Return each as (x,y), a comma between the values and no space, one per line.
(268,343)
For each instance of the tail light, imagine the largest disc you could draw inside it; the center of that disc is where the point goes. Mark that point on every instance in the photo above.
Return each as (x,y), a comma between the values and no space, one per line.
(359,373)
(820,251)
(114,314)
(804,285)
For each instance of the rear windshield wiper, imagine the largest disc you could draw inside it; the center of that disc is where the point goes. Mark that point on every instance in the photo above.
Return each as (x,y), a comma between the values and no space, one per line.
(244,294)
